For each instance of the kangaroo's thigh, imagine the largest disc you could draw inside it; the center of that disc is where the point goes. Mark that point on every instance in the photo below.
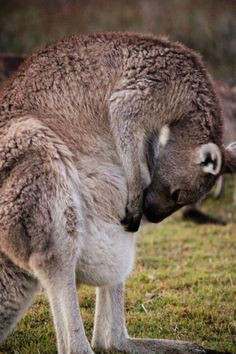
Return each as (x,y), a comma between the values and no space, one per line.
(40,222)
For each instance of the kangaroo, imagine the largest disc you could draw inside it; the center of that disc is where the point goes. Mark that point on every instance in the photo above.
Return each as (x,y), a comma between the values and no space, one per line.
(8,64)
(80,124)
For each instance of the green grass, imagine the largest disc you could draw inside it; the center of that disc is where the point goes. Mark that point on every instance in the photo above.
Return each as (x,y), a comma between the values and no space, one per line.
(183,287)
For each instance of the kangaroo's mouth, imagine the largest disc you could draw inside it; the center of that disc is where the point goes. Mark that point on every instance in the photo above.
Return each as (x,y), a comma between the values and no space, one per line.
(155,215)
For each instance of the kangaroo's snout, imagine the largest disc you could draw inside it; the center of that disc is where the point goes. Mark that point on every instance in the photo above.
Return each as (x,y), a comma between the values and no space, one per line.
(155,214)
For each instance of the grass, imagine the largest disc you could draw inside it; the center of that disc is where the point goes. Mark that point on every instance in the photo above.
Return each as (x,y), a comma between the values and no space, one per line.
(183,287)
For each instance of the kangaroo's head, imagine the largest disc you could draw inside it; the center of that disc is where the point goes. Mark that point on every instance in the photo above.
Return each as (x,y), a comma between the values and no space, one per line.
(183,170)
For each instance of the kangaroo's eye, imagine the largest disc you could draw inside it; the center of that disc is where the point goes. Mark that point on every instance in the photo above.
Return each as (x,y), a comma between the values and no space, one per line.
(175,195)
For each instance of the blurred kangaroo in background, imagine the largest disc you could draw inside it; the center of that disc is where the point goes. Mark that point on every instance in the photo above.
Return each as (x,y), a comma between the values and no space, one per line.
(227,97)
(80,125)
(8,64)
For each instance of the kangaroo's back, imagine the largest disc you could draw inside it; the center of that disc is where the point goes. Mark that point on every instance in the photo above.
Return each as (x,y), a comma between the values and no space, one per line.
(70,83)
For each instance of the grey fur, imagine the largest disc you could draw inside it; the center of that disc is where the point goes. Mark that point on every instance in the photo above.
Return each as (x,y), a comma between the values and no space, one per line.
(77,122)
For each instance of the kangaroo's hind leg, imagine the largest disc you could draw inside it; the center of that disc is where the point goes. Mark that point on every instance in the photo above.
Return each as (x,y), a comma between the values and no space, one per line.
(56,271)
(17,290)
(56,230)
(40,215)
(110,332)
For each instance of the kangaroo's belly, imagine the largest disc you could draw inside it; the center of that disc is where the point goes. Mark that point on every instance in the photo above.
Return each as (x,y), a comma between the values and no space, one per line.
(106,251)
(106,255)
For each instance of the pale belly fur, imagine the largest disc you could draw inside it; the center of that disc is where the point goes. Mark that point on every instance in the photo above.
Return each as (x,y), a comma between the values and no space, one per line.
(106,252)
(106,255)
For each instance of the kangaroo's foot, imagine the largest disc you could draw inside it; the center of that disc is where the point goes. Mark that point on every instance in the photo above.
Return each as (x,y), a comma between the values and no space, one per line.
(161,346)
(110,332)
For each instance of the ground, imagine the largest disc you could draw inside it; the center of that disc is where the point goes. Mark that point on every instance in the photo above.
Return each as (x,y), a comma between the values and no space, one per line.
(183,287)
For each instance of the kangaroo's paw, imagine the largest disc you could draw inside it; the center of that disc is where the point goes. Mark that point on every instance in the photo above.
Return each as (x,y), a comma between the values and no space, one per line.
(132,221)
(133,215)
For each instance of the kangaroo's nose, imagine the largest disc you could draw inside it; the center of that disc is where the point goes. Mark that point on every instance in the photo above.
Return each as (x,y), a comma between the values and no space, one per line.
(151,212)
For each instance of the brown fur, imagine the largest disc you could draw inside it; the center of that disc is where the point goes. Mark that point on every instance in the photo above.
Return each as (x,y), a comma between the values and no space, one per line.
(151,78)
(74,121)
(164,64)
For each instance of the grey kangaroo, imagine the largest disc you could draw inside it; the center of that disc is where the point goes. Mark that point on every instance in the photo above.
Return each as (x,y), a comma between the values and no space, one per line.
(80,126)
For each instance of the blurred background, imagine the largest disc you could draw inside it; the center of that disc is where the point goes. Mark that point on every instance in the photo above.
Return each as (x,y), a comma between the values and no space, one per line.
(207,26)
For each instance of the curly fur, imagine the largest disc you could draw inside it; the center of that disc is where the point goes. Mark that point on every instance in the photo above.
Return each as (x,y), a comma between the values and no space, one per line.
(74,121)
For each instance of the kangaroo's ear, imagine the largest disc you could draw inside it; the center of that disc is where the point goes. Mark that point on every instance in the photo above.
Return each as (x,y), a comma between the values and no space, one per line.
(230,159)
(209,158)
